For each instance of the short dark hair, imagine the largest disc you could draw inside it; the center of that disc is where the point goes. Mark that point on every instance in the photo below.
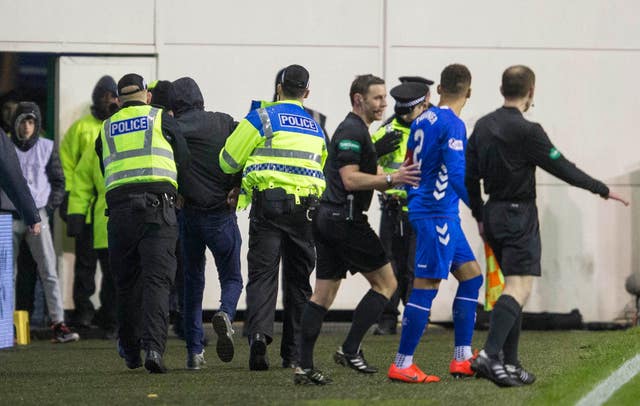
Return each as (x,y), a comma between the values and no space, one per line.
(362,83)
(292,92)
(516,81)
(455,79)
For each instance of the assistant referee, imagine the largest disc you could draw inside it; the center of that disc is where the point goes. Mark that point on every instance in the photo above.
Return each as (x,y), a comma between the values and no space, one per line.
(504,151)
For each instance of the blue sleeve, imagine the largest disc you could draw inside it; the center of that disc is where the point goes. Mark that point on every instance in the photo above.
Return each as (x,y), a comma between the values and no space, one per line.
(453,153)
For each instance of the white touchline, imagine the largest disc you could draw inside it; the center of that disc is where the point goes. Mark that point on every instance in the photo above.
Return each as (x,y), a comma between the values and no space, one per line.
(609,386)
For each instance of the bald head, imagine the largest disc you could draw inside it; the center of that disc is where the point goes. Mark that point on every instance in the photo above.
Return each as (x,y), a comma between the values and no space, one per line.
(517,82)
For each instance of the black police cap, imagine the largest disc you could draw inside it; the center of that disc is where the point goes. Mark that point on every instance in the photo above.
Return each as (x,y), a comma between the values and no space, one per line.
(131,79)
(408,95)
(415,79)
(294,76)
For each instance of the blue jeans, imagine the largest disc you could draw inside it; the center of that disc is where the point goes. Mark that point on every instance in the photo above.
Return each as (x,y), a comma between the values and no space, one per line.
(217,230)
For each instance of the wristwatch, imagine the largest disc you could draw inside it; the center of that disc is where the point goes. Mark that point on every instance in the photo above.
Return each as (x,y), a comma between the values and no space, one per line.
(389,180)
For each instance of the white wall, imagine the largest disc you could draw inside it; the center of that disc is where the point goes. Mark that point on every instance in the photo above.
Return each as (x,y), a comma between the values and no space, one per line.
(584,53)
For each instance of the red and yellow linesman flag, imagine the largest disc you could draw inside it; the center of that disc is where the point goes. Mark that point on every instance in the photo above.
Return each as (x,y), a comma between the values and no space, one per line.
(494,281)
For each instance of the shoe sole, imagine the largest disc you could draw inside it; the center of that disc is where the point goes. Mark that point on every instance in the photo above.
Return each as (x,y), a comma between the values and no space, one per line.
(65,340)
(257,357)
(224,346)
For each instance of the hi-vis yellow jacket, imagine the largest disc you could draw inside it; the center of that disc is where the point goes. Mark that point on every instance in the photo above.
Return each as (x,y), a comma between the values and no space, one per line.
(278,145)
(134,149)
(393,160)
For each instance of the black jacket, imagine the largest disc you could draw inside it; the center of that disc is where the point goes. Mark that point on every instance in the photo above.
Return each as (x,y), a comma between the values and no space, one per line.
(504,151)
(13,183)
(203,185)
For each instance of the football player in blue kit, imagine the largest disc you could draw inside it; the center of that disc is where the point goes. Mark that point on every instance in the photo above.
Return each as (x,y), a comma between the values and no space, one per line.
(437,142)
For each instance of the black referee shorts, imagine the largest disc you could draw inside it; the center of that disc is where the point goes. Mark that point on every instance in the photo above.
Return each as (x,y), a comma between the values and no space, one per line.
(513,232)
(343,245)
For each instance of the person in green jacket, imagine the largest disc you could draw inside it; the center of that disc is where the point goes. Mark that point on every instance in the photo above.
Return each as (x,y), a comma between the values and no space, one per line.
(87,200)
(81,135)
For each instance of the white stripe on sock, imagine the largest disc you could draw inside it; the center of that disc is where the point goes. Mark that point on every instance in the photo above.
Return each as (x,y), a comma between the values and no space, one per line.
(467,299)
(419,307)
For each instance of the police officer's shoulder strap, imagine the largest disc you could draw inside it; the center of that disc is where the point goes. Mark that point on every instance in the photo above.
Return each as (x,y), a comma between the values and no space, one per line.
(267,129)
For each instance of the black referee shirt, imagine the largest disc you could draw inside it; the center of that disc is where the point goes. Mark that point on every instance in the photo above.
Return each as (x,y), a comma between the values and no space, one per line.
(351,145)
(504,150)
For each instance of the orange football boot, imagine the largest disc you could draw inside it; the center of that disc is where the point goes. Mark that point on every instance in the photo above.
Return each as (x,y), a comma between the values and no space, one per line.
(462,369)
(411,374)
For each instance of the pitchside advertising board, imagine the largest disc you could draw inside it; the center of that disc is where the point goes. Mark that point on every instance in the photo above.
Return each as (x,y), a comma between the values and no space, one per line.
(6,282)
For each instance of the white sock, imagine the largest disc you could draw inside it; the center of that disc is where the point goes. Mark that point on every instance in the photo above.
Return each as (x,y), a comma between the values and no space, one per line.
(403,361)
(462,352)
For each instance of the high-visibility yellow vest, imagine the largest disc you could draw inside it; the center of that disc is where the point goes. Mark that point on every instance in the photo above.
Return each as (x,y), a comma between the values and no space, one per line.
(134,149)
(278,145)
(393,160)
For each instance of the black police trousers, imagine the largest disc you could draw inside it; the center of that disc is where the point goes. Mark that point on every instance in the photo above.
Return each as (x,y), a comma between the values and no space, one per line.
(399,242)
(287,237)
(142,243)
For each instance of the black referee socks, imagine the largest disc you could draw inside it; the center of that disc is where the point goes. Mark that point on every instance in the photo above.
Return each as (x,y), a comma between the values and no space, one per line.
(366,314)
(504,315)
(310,326)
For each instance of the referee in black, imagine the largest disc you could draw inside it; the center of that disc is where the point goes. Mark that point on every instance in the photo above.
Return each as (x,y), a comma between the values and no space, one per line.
(345,241)
(504,151)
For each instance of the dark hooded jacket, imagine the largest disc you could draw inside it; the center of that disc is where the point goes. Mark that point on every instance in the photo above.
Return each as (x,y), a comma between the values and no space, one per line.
(203,185)
(13,184)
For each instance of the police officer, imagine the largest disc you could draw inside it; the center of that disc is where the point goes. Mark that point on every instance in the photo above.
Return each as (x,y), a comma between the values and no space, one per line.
(141,148)
(78,138)
(344,239)
(282,149)
(396,234)
(504,151)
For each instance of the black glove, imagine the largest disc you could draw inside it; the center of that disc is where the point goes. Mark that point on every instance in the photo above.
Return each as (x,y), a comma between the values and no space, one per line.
(75,223)
(388,143)
(64,206)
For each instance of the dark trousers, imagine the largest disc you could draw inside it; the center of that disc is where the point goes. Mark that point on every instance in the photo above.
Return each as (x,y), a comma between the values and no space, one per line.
(219,232)
(84,285)
(287,237)
(399,242)
(142,243)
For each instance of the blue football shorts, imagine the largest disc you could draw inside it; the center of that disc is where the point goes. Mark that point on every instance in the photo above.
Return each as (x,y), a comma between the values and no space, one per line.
(441,247)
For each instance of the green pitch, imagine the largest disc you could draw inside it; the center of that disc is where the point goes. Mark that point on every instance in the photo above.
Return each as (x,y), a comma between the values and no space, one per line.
(568,365)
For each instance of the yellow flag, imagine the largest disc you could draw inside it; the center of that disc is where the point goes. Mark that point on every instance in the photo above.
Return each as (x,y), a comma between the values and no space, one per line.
(494,281)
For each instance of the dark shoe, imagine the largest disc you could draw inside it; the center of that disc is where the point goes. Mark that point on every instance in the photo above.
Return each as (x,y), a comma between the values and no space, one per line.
(258,360)
(153,363)
(109,333)
(195,361)
(310,377)
(131,360)
(520,374)
(222,327)
(493,370)
(382,330)
(63,334)
(354,361)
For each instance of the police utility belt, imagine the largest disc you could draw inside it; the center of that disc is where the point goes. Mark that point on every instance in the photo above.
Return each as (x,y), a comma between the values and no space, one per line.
(148,205)
(274,202)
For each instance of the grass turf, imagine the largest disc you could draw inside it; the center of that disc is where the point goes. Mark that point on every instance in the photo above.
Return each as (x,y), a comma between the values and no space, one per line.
(568,364)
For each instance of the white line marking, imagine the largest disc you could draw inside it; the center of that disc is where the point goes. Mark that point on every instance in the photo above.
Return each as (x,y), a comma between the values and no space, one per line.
(615,381)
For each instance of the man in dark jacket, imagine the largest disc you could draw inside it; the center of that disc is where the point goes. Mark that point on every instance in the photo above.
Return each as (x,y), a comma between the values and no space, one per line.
(209,221)
(13,184)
